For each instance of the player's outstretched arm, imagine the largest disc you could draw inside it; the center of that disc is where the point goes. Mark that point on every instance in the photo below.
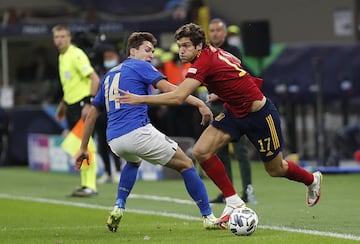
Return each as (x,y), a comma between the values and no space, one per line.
(204,110)
(172,95)
(88,129)
(175,97)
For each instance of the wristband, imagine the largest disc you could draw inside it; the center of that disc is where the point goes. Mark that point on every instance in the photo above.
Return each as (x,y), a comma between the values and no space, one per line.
(88,99)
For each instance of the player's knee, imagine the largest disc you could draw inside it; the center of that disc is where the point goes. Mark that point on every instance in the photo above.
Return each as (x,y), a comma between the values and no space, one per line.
(184,165)
(180,162)
(188,163)
(276,167)
(199,155)
(274,172)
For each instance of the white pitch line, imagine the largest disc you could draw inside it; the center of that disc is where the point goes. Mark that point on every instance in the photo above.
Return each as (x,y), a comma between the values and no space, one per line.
(162,199)
(174,215)
(94,206)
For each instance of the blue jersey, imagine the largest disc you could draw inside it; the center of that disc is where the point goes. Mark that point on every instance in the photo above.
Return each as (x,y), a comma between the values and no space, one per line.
(135,76)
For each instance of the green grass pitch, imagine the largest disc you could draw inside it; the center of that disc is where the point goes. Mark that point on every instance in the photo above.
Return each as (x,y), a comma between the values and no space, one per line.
(34,208)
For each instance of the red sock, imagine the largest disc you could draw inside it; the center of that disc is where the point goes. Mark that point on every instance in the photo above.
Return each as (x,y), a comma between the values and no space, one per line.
(215,169)
(296,173)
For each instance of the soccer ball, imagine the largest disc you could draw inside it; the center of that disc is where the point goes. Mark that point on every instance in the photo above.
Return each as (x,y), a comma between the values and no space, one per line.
(243,221)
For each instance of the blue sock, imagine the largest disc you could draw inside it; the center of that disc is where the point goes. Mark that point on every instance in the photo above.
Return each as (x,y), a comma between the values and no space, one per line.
(127,181)
(197,190)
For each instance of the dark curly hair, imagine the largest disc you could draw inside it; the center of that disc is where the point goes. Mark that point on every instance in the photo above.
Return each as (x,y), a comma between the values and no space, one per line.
(194,32)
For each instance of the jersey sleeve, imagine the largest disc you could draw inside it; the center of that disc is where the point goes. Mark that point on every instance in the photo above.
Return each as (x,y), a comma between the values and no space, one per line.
(99,99)
(199,69)
(149,74)
(82,63)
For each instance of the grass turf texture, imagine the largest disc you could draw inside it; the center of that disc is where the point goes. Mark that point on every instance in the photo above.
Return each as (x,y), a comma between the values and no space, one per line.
(281,203)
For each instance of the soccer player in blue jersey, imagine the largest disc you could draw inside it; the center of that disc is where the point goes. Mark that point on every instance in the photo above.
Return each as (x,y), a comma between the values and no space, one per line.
(246,111)
(130,133)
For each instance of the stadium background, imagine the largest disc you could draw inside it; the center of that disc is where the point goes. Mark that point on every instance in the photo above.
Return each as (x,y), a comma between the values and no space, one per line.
(313,44)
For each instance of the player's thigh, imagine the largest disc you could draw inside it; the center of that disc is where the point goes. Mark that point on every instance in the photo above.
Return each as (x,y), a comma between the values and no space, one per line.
(146,143)
(210,141)
(265,133)
(121,148)
(156,147)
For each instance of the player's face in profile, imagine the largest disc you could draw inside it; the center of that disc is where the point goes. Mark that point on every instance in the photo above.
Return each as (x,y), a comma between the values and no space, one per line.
(62,39)
(187,51)
(145,51)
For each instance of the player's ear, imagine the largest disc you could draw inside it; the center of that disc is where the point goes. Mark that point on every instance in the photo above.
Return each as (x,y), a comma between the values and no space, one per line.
(199,47)
(132,52)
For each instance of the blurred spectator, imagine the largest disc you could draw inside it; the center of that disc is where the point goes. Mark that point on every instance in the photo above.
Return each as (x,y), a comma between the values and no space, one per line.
(111,58)
(344,145)
(234,36)
(4,123)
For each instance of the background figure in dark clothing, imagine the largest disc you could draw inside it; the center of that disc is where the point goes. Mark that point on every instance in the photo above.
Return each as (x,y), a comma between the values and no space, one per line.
(4,132)
(111,58)
(217,35)
(105,152)
(345,143)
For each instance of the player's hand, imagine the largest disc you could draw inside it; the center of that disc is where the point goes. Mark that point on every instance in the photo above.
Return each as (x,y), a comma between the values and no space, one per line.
(79,158)
(129,98)
(207,115)
(212,97)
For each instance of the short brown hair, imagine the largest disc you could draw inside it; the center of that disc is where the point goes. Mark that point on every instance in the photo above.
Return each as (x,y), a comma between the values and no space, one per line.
(136,39)
(194,32)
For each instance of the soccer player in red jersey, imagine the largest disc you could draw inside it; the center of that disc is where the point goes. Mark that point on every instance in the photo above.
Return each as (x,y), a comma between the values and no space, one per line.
(246,111)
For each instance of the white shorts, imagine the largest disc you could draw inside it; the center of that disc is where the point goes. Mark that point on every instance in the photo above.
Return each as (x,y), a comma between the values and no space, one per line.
(145,143)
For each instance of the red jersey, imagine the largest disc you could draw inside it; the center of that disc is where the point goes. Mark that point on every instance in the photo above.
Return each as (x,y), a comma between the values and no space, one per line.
(223,75)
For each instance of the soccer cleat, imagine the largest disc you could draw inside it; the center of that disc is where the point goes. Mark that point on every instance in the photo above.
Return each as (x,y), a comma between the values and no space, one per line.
(114,218)
(209,222)
(223,221)
(249,195)
(313,190)
(83,192)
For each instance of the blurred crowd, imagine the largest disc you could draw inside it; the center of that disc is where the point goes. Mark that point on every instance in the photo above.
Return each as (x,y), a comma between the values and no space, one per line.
(37,79)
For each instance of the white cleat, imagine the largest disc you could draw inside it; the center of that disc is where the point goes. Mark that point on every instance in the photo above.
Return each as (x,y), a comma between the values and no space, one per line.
(223,221)
(314,190)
